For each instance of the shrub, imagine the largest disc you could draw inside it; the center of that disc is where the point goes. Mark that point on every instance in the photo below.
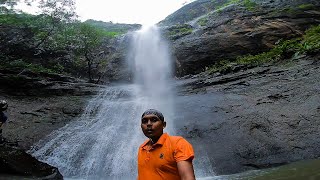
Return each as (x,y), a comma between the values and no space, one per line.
(203,21)
(311,40)
(248,4)
(306,6)
(19,64)
(183,29)
(309,44)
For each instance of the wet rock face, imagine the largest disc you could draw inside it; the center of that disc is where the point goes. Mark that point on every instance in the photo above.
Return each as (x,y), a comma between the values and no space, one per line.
(236,31)
(37,84)
(40,103)
(118,67)
(16,162)
(258,118)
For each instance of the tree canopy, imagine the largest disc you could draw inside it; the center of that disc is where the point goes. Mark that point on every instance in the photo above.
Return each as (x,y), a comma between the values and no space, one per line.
(53,40)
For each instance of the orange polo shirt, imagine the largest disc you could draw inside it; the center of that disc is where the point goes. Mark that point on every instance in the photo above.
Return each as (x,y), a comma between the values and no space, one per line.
(159,161)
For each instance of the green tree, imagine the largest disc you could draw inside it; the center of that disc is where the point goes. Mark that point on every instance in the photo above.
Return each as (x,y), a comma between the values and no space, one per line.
(62,10)
(54,14)
(89,40)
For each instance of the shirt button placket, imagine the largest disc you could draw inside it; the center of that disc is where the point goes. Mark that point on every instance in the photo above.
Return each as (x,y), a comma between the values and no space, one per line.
(148,155)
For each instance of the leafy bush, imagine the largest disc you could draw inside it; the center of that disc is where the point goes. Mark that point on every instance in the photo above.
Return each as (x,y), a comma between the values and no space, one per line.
(308,44)
(180,29)
(248,4)
(203,21)
(306,6)
(219,67)
(19,64)
(48,40)
(311,40)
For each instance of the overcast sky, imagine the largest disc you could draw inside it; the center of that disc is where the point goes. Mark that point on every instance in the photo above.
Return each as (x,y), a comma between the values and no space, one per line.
(146,12)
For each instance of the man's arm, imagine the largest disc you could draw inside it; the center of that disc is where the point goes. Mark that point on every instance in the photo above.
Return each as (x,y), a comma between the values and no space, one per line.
(185,169)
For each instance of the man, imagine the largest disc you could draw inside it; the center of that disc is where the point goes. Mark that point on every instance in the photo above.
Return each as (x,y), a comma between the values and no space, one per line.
(163,156)
(3,117)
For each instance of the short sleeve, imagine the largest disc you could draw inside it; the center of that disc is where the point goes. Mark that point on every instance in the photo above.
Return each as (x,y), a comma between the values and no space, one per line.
(183,151)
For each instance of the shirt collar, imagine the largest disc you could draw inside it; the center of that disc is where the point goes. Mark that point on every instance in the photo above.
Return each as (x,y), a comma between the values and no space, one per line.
(160,141)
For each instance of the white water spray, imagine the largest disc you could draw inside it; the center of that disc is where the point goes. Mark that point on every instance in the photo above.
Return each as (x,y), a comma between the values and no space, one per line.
(103,142)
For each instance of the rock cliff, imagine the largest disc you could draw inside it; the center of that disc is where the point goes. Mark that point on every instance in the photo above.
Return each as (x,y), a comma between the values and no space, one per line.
(236,30)
(38,105)
(257,118)
(205,32)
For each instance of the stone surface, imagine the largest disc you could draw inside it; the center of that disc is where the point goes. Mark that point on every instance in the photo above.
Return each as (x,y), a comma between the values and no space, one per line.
(38,105)
(235,31)
(227,33)
(262,117)
(15,161)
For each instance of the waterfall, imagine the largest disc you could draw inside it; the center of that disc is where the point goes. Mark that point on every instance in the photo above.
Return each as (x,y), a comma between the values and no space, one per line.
(150,60)
(103,142)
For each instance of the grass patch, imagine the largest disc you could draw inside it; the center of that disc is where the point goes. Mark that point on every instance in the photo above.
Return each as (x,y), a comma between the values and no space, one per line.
(220,66)
(308,44)
(180,30)
(203,21)
(306,6)
(311,40)
(248,4)
(36,68)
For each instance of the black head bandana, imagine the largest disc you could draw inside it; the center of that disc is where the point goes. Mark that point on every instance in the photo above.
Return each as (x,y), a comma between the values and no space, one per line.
(154,112)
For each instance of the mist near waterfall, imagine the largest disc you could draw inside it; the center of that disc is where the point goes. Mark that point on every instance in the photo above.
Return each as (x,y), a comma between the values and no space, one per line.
(103,142)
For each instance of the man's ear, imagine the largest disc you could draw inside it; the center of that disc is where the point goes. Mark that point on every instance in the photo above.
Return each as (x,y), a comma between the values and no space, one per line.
(164,124)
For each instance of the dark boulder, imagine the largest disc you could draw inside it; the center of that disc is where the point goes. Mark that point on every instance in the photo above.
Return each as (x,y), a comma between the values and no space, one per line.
(16,162)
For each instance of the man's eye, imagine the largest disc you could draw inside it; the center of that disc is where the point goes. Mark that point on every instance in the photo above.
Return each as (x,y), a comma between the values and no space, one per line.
(154,119)
(144,121)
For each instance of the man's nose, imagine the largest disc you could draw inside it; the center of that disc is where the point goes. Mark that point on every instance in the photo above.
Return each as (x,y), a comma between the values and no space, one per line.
(149,123)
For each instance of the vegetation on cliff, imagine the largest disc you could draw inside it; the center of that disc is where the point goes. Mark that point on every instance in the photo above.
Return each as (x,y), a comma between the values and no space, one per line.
(54,41)
(308,44)
(202,7)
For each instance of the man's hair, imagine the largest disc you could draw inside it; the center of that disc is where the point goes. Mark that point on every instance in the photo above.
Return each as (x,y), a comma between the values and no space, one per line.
(154,112)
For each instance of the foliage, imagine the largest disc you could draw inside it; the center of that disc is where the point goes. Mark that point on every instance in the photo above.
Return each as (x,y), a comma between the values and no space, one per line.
(189,12)
(203,21)
(180,29)
(89,38)
(306,6)
(294,10)
(113,28)
(248,4)
(229,2)
(220,66)
(21,65)
(62,10)
(16,19)
(6,6)
(54,41)
(308,44)
(311,40)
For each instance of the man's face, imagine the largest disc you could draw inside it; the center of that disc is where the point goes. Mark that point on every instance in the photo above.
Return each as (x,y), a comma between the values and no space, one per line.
(152,126)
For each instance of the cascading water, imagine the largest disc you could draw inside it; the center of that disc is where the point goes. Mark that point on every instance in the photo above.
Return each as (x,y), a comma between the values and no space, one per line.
(103,143)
